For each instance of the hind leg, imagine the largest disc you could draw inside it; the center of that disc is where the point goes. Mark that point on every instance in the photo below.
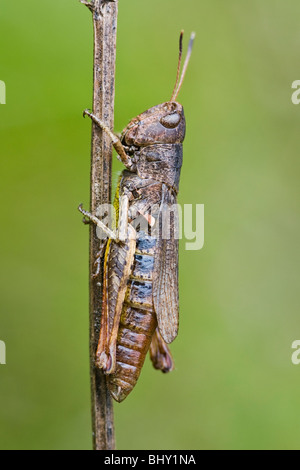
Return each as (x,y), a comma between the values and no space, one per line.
(160,354)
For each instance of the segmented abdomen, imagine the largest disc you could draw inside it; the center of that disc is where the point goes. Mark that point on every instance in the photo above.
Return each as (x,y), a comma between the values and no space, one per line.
(138,321)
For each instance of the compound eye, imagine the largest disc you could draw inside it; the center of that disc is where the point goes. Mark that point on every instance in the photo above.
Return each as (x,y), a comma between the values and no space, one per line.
(171,120)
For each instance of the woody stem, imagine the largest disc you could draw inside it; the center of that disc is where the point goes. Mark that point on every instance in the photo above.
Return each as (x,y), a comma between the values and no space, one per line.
(105,23)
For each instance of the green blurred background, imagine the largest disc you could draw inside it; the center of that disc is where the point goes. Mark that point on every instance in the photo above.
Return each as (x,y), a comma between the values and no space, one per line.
(234,386)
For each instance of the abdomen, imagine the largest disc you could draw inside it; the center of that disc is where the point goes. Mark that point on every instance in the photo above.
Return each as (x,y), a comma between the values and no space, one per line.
(138,321)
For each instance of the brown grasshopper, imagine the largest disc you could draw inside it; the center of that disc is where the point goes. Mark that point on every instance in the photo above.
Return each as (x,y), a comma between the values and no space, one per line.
(140,270)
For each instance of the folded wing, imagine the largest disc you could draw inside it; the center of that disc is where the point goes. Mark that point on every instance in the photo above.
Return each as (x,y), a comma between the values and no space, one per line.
(165,277)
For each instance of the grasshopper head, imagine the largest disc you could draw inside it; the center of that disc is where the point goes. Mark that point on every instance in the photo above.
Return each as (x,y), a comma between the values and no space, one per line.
(162,124)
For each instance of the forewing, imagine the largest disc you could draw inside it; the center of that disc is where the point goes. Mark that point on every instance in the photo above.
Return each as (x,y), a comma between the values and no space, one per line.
(165,276)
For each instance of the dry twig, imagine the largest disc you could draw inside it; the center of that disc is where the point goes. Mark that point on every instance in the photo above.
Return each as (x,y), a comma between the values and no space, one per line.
(105,26)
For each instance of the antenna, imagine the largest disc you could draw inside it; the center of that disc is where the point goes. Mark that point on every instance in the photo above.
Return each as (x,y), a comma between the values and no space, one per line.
(179,65)
(185,66)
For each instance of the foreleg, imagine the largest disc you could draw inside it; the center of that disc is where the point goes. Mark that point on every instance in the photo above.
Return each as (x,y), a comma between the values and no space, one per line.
(118,146)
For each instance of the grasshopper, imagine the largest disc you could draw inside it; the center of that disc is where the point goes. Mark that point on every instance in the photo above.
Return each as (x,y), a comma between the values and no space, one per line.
(140,305)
